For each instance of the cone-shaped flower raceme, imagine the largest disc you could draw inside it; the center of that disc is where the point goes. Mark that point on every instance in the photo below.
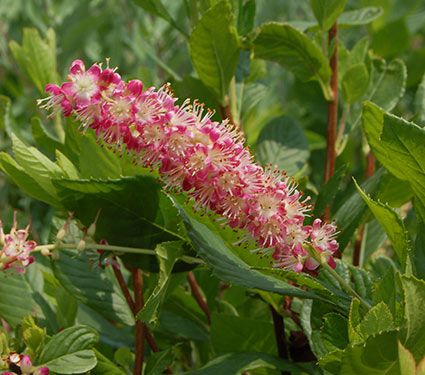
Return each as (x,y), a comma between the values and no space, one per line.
(21,363)
(204,158)
(16,249)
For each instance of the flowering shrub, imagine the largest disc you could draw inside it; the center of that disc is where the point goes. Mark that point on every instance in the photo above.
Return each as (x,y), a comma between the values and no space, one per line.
(166,237)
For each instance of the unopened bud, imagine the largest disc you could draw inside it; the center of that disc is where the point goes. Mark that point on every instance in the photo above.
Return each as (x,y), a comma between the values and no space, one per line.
(81,245)
(45,251)
(26,364)
(91,231)
(61,234)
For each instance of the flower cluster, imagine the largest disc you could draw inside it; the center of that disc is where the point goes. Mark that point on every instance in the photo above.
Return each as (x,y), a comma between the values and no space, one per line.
(16,249)
(21,364)
(204,158)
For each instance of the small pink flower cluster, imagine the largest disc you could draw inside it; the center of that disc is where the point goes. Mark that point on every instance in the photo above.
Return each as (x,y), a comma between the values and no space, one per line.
(15,253)
(21,364)
(204,158)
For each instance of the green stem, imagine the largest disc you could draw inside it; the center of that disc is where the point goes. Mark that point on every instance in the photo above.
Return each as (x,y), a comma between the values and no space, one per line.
(343,283)
(121,249)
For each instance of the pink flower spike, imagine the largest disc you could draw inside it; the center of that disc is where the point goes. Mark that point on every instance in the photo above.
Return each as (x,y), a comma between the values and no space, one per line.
(205,159)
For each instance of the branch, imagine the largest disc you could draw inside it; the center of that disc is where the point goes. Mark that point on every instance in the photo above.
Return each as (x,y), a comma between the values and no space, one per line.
(140,347)
(279,333)
(332,112)
(197,294)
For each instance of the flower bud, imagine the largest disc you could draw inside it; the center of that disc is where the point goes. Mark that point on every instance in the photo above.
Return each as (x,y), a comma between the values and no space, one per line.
(26,364)
(61,234)
(91,231)
(45,251)
(42,371)
(81,245)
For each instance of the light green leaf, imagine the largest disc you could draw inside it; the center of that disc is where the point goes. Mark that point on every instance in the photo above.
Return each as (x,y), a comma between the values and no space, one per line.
(359,17)
(167,254)
(69,351)
(378,319)
(214,48)
(327,11)
(37,165)
(293,50)
(355,82)
(282,143)
(392,224)
(406,361)
(42,138)
(68,169)
(397,144)
(37,56)
(414,333)
(23,180)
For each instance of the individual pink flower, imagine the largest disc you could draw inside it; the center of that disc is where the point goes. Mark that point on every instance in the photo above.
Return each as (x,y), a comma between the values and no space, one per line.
(204,158)
(16,248)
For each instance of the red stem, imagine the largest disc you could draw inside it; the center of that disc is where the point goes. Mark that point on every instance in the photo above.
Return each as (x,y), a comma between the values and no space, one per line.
(332,112)
(138,294)
(197,294)
(279,332)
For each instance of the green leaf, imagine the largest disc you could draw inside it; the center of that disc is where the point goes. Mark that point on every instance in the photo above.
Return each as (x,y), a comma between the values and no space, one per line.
(37,165)
(293,50)
(327,11)
(399,40)
(69,351)
(392,224)
(68,169)
(92,286)
(98,162)
(5,104)
(23,180)
(282,143)
(246,17)
(334,332)
(397,143)
(67,307)
(406,360)
(355,82)
(236,363)
(144,222)
(214,48)
(378,319)
(157,8)
(105,366)
(226,331)
(158,362)
(42,138)
(379,355)
(414,333)
(359,17)
(16,300)
(167,254)
(417,254)
(228,266)
(419,102)
(37,57)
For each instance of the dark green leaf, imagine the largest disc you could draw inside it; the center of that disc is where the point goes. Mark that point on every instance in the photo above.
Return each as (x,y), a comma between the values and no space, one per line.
(399,40)
(246,17)
(158,362)
(105,366)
